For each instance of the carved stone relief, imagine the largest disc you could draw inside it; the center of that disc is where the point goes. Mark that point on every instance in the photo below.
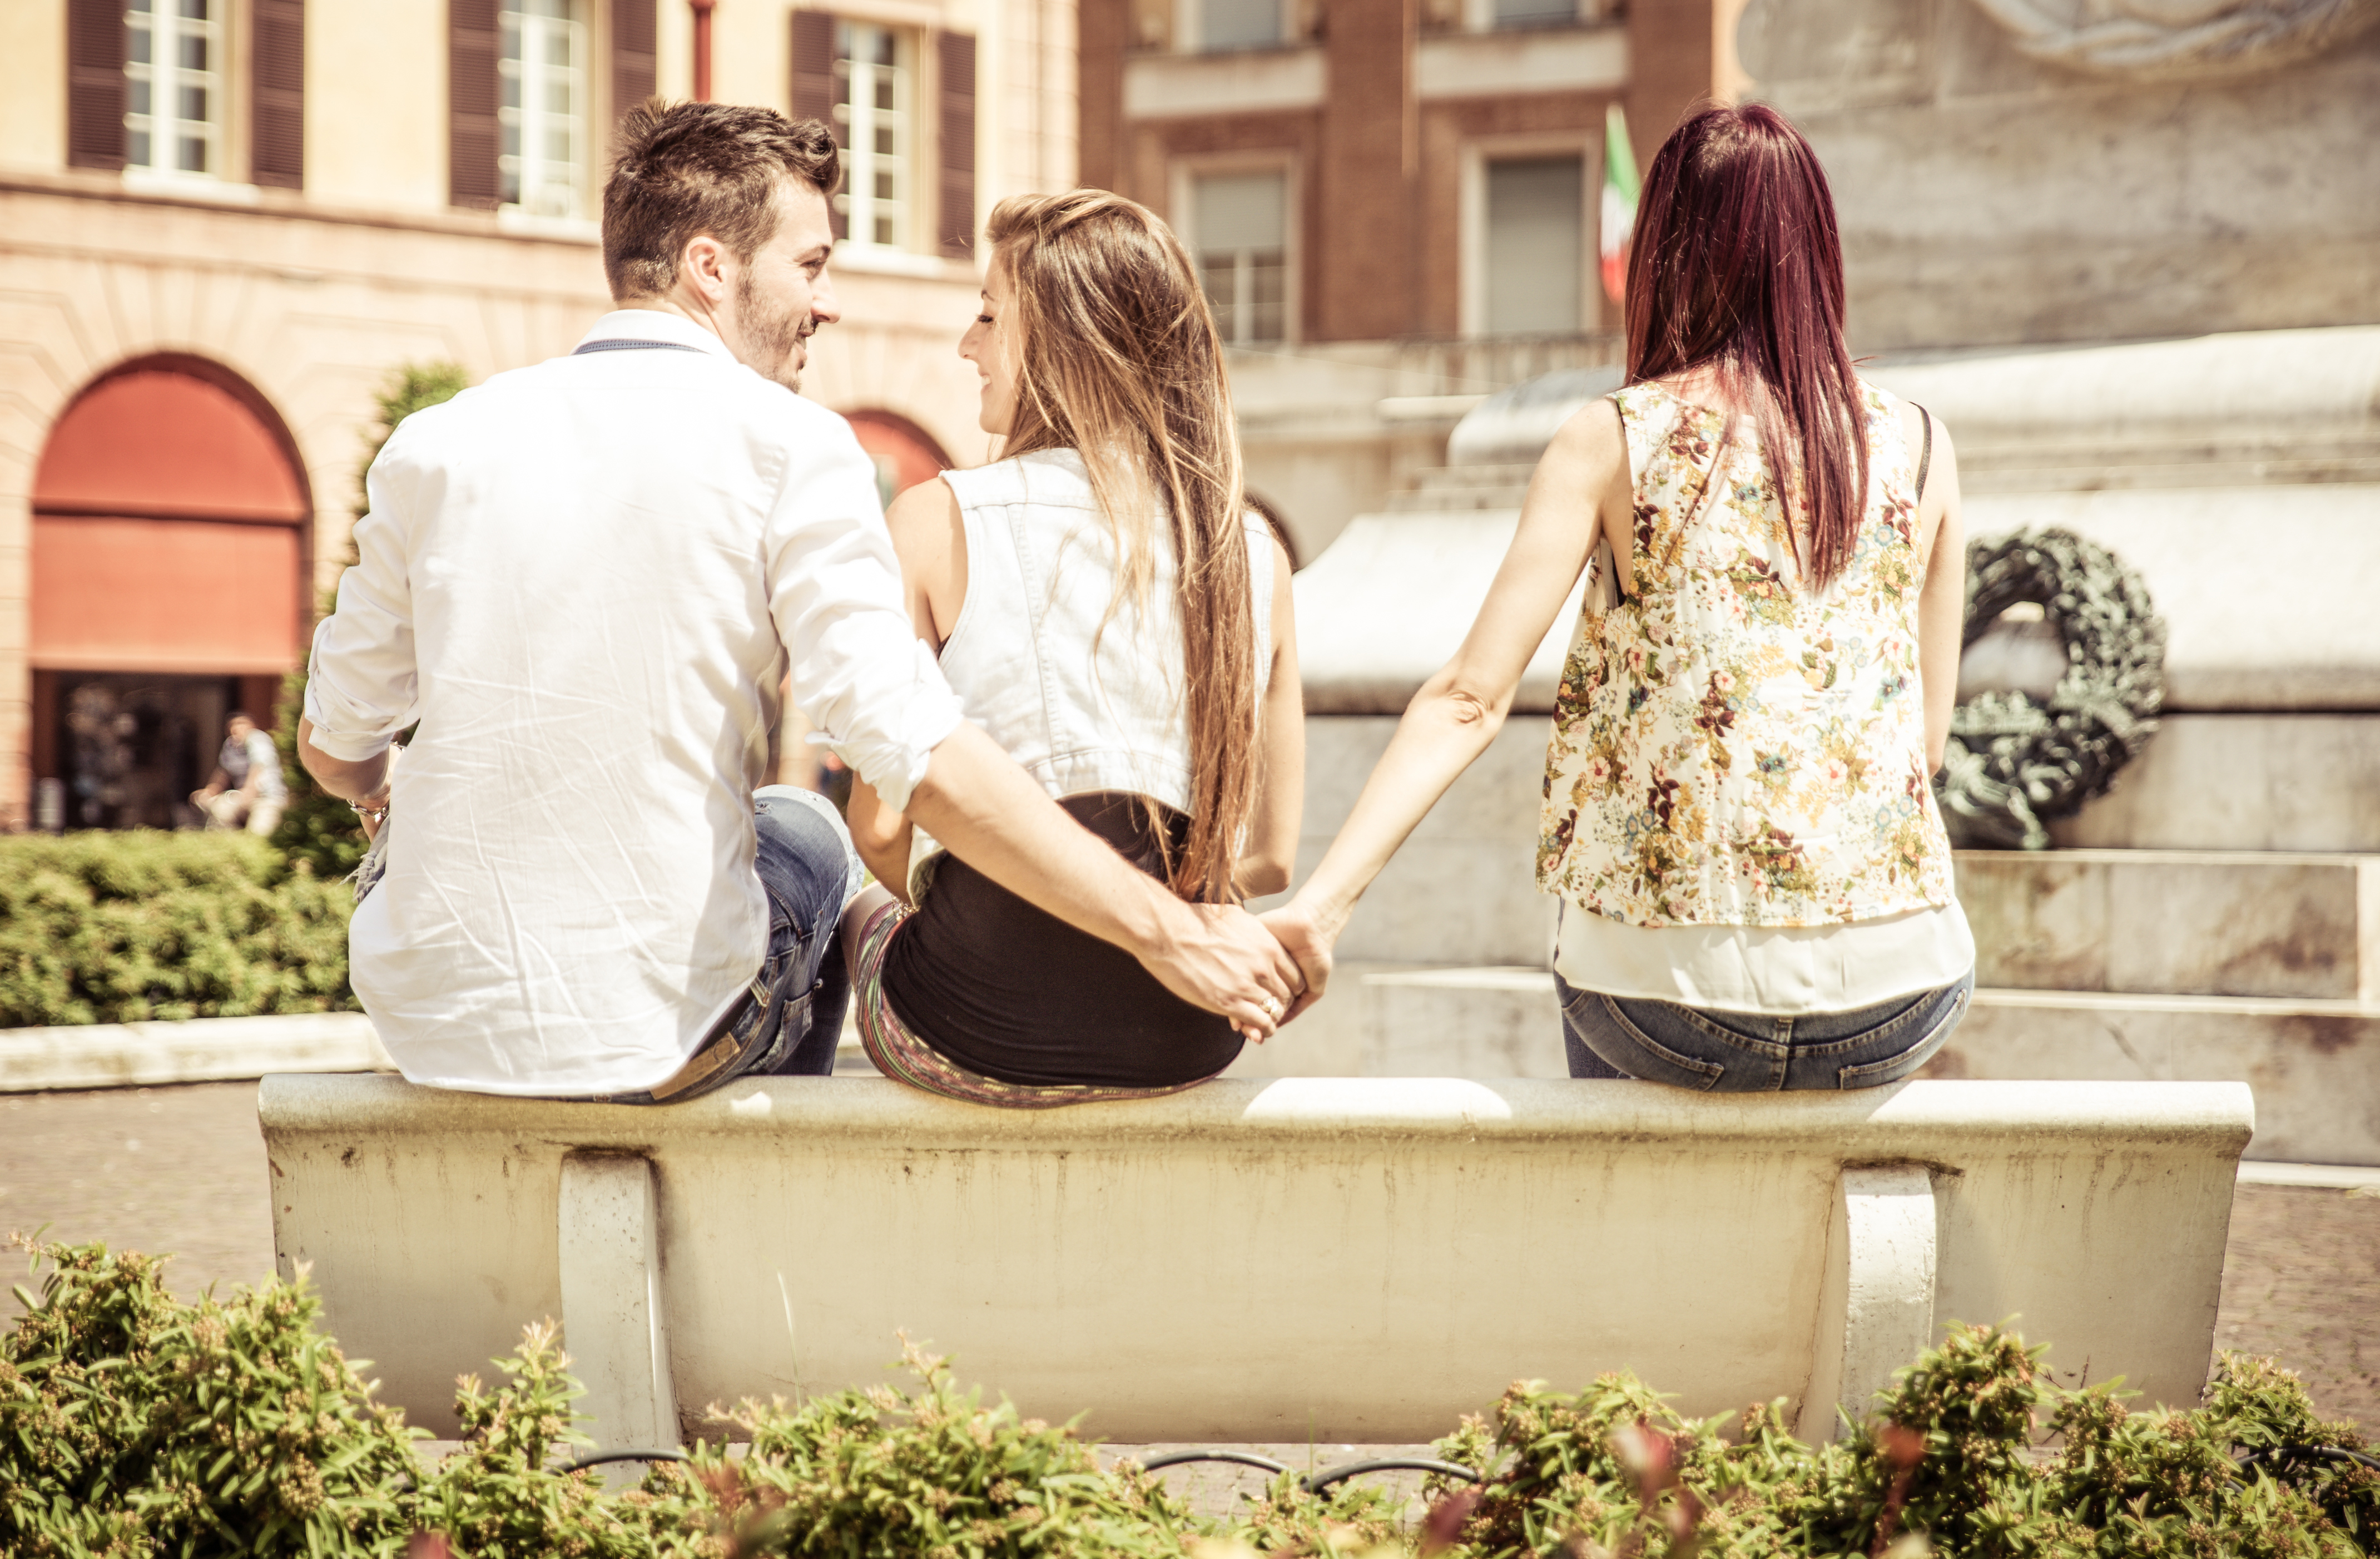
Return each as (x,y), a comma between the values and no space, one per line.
(2153,40)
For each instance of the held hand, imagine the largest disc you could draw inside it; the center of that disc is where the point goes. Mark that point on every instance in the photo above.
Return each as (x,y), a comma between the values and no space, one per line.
(1220,959)
(1303,938)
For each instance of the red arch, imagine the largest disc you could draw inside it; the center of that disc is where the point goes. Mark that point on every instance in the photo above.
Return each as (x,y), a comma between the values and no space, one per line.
(904,453)
(170,518)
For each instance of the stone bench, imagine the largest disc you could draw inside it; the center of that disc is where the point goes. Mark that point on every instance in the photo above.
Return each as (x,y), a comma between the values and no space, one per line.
(1352,1259)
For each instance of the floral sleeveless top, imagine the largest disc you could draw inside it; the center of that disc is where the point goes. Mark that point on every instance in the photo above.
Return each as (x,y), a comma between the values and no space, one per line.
(1728,748)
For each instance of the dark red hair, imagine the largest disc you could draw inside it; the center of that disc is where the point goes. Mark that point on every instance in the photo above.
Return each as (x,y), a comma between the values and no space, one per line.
(1737,266)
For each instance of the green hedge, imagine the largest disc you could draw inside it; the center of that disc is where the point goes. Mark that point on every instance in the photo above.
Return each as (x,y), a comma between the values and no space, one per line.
(118,927)
(133,1424)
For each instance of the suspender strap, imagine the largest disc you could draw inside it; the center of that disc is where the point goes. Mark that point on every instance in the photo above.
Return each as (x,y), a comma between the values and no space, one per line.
(585,347)
(1925,456)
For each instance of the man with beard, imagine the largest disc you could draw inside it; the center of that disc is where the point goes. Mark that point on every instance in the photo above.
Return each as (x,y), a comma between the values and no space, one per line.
(585,581)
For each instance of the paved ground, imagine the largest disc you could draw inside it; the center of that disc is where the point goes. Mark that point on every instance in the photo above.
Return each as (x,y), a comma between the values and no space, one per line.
(182,1169)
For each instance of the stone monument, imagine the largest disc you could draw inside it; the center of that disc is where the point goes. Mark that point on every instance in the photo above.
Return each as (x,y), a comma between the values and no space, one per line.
(2129,252)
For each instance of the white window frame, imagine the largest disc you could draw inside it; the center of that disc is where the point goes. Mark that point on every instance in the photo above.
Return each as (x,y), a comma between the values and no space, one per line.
(863,163)
(526,77)
(1182,196)
(1190,28)
(1472,255)
(165,78)
(1479,16)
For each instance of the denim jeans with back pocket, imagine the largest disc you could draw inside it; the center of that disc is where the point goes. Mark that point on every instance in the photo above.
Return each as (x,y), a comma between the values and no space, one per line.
(1715,1052)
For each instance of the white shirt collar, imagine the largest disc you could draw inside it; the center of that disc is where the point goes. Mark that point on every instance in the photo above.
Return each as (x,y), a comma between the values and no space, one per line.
(655,324)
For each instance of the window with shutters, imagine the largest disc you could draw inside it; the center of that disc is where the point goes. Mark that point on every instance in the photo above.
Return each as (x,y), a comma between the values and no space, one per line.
(277,94)
(1534,245)
(1239,229)
(1225,25)
(874,81)
(541,112)
(173,107)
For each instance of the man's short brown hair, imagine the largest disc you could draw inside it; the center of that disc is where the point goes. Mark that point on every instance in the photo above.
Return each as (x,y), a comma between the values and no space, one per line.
(686,169)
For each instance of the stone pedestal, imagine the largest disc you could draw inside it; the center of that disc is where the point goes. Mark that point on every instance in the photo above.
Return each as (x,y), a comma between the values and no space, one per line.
(2215,915)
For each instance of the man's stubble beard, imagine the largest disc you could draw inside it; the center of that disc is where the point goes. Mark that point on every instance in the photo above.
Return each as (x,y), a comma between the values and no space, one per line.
(776,336)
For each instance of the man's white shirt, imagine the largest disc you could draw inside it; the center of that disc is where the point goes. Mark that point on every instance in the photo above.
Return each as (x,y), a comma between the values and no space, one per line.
(586,579)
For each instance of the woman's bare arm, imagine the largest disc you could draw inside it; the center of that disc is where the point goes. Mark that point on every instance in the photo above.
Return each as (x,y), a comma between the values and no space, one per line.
(1942,602)
(930,538)
(1271,852)
(1581,481)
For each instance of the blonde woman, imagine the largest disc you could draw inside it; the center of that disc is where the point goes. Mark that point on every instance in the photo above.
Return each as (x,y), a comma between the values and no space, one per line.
(1107,609)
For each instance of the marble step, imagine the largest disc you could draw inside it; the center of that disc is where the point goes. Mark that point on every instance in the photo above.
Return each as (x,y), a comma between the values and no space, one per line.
(2240,814)
(2314,1064)
(2179,923)
(2243,782)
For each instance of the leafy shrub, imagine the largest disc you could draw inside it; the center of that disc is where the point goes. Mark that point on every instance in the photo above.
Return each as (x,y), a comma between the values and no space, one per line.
(132,1425)
(119,927)
(1949,1465)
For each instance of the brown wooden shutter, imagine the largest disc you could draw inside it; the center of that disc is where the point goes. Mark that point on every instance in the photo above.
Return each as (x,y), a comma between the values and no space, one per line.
(95,84)
(633,71)
(279,100)
(956,54)
(471,102)
(813,89)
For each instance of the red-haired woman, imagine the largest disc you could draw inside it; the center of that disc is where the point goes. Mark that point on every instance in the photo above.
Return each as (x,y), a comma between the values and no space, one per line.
(1756,887)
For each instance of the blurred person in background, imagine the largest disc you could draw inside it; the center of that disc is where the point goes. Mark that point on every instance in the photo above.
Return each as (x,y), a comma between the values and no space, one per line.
(247,788)
(1738,817)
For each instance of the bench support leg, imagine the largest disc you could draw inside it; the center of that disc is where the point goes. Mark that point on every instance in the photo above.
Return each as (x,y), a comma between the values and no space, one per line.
(611,1320)
(1875,1312)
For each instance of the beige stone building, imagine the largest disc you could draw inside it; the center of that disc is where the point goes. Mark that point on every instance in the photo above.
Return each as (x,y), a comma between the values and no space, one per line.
(225,222)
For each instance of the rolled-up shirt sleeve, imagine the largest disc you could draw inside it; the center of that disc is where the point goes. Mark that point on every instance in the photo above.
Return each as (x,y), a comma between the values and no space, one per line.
(869,688)
(362,684)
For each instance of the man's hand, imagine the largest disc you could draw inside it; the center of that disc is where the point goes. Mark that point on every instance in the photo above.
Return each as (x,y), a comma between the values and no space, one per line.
(1303,937)
(1225,954)
(361,781)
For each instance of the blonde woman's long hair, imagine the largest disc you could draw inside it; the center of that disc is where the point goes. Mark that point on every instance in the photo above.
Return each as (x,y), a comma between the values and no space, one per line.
(1122,363)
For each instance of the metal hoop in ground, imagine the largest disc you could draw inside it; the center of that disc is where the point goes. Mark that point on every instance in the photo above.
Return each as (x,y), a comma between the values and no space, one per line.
(2013,763)
(1316,1482)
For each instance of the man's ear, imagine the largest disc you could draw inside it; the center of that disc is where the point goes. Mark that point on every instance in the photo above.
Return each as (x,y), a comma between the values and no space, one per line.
(703,264)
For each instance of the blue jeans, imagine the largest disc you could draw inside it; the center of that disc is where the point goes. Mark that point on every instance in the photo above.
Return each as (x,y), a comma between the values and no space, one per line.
(790,1021)
(1715,1052)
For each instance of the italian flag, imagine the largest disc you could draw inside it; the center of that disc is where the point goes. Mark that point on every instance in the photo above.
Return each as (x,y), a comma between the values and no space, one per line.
(1619,202)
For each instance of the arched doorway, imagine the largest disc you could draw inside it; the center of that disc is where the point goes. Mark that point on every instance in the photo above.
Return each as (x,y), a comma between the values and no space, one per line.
(904,453)
(170,520)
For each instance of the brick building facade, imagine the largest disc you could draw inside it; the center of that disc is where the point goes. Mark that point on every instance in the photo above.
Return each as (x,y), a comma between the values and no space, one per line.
(1393,202)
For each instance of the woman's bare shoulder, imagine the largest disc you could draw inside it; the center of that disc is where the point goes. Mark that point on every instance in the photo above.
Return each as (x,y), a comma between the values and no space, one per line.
(1914,421)
(923,518)
(1591,439)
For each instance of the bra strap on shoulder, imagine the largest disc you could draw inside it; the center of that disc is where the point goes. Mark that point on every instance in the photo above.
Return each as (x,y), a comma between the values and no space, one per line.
(1925,455)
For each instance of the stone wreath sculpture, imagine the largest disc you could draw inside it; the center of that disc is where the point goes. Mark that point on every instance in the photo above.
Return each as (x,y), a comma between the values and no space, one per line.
(2167,40)
(2014,764)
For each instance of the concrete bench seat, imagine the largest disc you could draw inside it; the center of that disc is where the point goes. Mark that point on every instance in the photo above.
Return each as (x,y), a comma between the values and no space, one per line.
(1355,1259)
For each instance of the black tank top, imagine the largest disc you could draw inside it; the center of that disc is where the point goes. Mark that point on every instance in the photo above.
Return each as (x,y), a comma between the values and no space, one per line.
(1016,994)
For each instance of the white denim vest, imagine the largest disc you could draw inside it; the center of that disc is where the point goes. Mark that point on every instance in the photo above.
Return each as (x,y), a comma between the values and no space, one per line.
(1083,699)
